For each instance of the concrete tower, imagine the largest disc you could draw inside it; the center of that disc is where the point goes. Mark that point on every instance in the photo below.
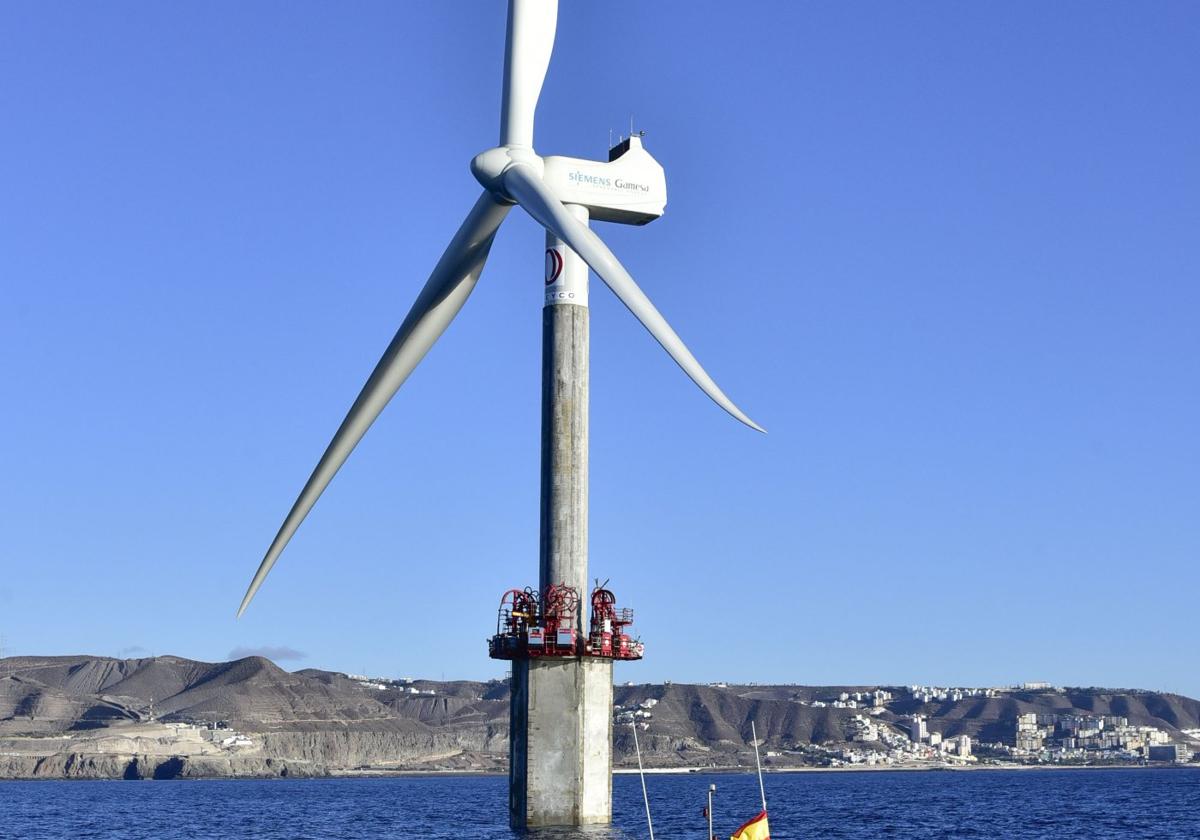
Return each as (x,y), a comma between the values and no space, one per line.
(560,727)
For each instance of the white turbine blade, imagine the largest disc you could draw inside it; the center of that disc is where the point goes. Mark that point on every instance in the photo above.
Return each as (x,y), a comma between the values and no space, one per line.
(527,48)
(523,185)
(443,296)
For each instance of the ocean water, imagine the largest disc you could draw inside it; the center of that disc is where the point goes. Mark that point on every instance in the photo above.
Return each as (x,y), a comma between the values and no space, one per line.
(1060,804)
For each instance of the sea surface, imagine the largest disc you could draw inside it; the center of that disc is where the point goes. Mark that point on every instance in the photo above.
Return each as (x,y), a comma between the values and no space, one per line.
(1059,804)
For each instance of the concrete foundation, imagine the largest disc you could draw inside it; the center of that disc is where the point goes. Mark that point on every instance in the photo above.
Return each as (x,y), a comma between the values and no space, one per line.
(561,752)
(561,716)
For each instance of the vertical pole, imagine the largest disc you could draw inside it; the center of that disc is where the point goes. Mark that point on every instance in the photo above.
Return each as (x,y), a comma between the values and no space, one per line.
(560,727)
(757,763)
(642,775)
(563,546)
(711,789)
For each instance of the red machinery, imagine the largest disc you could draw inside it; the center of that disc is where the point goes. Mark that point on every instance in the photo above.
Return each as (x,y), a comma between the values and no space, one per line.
(519,611)
(558,618)
(533,625)
(608,637)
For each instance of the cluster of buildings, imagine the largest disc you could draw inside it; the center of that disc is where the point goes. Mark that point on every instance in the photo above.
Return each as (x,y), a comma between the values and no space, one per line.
(1055,737)
(405,684)
(235,741)
(219,733)
(920,745)
(639,714)
(876,737)
(876,699)
(866,729)
(370,682)
(871,758)
(919,733)
(937,694)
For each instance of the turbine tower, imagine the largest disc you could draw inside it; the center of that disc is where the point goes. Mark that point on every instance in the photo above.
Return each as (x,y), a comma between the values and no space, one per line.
(561,713)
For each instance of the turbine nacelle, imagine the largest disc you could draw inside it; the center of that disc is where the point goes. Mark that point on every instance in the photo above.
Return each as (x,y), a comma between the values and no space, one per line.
(629,188)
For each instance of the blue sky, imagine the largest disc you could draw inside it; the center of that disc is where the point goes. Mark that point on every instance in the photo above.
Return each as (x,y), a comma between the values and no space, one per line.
(946,253)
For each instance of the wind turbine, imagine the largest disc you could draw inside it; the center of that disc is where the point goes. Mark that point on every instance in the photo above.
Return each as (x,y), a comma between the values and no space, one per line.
(629,188)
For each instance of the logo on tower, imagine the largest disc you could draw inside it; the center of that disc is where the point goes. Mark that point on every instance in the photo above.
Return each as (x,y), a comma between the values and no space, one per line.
(554,265)
(566,276)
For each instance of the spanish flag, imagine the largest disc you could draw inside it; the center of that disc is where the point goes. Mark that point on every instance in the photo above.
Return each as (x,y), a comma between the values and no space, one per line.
(755,829)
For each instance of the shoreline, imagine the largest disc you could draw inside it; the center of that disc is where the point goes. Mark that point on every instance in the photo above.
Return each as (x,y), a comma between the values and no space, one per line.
(623,771)
(901,768)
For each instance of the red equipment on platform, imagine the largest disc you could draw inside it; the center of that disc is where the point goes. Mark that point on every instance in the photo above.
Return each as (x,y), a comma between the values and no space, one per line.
(532,625)
(558,617)
(519,611)
(608,637)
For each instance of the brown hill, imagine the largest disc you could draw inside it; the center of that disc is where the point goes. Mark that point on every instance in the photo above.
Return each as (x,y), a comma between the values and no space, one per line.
(314,721)
(252,692)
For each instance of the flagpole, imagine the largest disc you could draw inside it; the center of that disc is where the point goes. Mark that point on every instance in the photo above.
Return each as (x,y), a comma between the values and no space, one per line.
(642,774)
(757,763)
(711,788)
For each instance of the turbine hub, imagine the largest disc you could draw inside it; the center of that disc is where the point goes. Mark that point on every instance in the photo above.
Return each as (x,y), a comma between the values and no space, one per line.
(489,166)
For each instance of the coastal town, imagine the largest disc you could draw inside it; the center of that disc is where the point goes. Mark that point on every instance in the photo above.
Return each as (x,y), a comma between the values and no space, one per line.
(876,735)
(879,736)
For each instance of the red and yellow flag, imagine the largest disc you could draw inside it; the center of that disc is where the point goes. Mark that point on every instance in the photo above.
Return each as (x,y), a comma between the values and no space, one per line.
(755,829)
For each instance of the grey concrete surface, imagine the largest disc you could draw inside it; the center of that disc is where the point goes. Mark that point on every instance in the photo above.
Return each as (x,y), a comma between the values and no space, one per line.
(561,715)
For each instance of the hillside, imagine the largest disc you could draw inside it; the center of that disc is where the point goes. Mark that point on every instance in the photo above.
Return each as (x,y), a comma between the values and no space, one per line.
(167,716)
